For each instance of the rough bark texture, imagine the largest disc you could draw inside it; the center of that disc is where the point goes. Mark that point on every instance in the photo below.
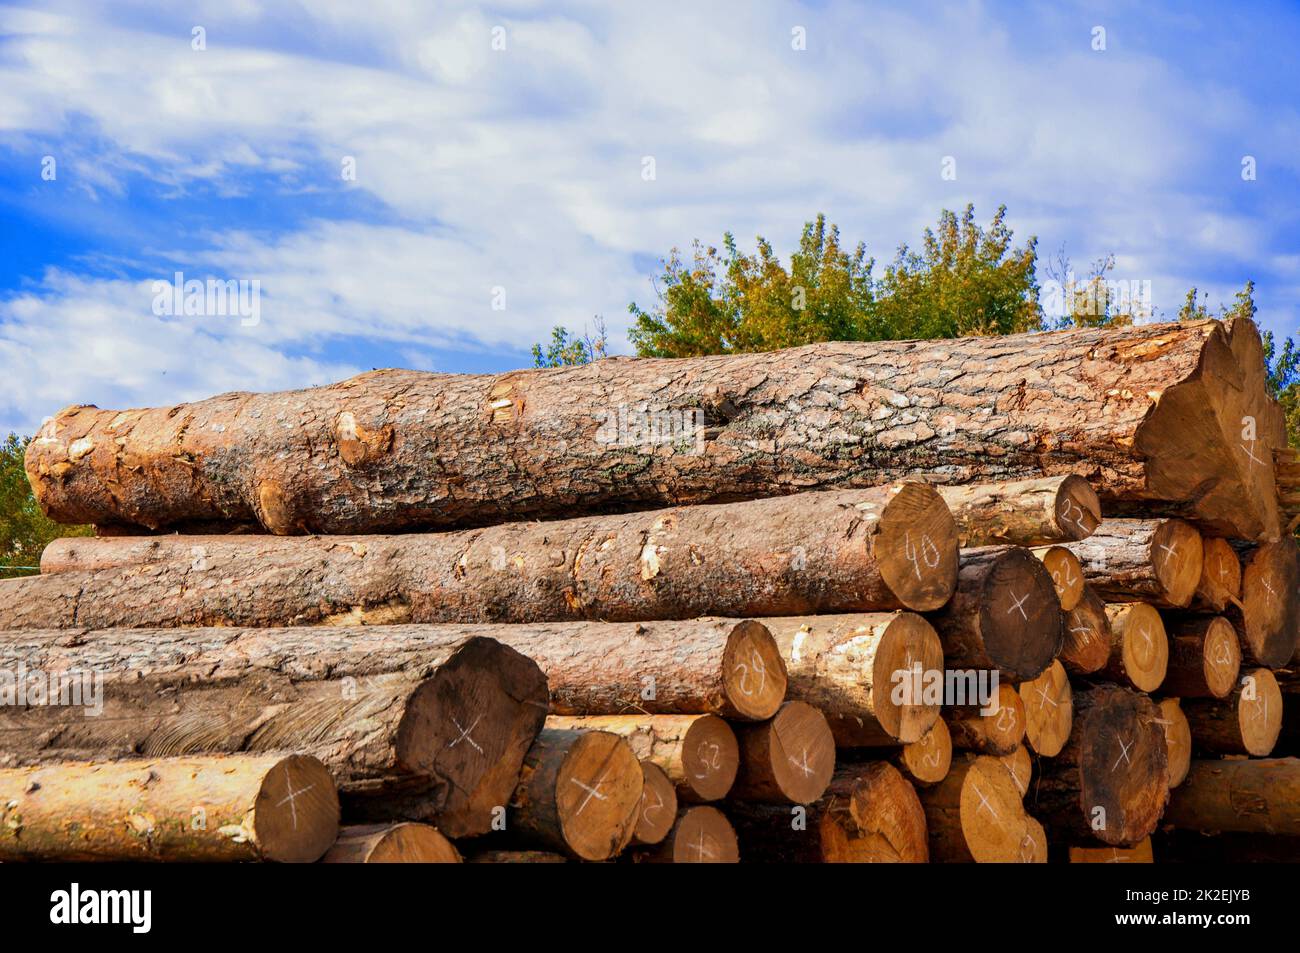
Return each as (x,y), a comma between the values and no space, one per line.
(442,717)
(878,548)
(699,753)
(848,666)
(1004,614)
(1034,512)
(788,760)
(405,843)
(240,807)
(579,792)
(976,814)
(1204,656)
(1151,412)
(1086,648)
(868,815)
(1156,561)
(1252,796)
(1248,721)
(1111,780)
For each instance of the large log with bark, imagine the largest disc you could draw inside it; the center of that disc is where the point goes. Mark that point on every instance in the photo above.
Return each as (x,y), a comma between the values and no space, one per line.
(872,549)
(442,718)
(403,843)
(234,808)
(1146,413)
(1248,721)
(1034,512)
(868,815)
(699,753)
(1249,796)
(579,793)
(976,814)
(1155,561)
(851,667)
(1004,615)
(1111,780)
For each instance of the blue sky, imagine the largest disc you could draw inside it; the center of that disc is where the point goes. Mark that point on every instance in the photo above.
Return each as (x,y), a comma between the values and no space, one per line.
(481,170)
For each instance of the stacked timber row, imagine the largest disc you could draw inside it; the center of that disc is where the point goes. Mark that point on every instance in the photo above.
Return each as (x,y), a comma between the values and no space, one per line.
(969,600)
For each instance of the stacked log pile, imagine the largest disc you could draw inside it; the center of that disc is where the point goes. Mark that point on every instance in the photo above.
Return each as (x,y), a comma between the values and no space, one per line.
(984,600)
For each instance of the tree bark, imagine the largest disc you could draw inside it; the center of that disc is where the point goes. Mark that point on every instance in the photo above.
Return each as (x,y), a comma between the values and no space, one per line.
(1245,796)
(1248,721)
(517,857)
(848,667)
(442,717)
(699,753)
(1034,512)
(579,793)
(1086,648)
(702,835)
(404,843)
(872,549)
(988,730)
(1220,584)
(1155,561)
(1139,646)
(240,807)
(976,814)
(1204,656)
(868,815)
(787,760)
(1049,710)
(658,810)
(1147,413)
(1111,780)
(1004,614)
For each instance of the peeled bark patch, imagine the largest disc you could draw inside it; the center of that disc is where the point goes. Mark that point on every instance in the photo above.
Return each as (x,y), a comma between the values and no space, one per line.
(1173,413)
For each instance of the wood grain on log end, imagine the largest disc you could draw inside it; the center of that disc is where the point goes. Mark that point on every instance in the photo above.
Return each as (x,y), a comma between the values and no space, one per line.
(1087,635)
(1020,764)
(915,547)
(753,677)
(405,843)
(976,814)
(1204,657)
(789,759)
(1178,737)
(658,806)
(1067,574)
(1049,710)
(1270,603)
(995,728)
(927,760)
(1220,582)
(701,835)
(1139,654)
(1248,721)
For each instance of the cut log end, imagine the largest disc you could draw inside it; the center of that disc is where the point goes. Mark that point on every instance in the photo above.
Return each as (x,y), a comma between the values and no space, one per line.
(1066,572)
(908,641)
(789,759)
(1259,712)
(881,822)
(1020,615)
(1220,582)
(1021,767)
(406,843)
(990,813)
(1049,710)
(1177,556)
(1140,646)
(658,806)
(1270,597)
(927,760)
(296,815)
(1087,635)
(916,547)
(702,835)
(1077,509)
(597,795)
(1204,657)
(1178,739)
(471,724)
(994,729)
(754,675)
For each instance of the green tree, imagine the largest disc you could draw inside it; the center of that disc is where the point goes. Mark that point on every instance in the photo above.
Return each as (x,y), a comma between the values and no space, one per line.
(567,349)
(24,529)
(965,279)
